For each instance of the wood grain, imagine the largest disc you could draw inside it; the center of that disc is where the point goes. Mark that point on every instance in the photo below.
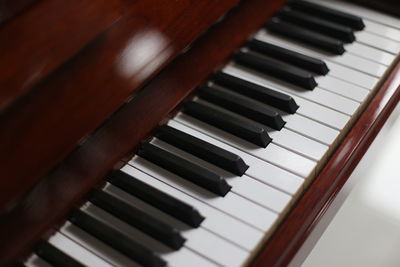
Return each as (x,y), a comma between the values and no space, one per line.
(38,41)
(49,122)
(291,234)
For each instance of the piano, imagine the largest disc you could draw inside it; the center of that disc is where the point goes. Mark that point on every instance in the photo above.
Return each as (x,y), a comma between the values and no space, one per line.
(183,133)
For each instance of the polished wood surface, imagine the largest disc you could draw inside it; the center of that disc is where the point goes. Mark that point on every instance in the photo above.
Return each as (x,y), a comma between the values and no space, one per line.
(52,198)
(288,238)
(45,125)
(46,35)
(11,8)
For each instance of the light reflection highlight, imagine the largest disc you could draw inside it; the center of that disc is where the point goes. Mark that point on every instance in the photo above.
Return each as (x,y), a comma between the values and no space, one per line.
(144,53)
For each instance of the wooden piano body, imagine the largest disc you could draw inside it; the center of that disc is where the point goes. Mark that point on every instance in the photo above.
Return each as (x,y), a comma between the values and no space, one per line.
(83,82)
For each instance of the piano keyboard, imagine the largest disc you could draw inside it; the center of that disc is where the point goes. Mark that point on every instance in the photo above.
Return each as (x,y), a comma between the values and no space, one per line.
(218,177)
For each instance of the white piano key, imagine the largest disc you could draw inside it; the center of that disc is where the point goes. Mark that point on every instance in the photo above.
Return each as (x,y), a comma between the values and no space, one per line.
(231,204)
(370,53)
(343,88)
(319,96)
(227,227)
(322,97)
(258,169)
(272,153)
(379,42)
(310,128)
(245,186)
(217,249)
(260,193)
(76,251)
(307,108)
(361,64)
(95,246)
(299,144)
(348,72)
(353,76)
(186,256)
(202,244)
(284,138)
(383,30)
(322,114)
(35,261)
(361,11)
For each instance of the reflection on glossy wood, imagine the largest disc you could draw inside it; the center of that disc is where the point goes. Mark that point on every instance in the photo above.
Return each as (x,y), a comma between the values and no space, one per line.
(40,129)
(45,36)
(288,238)
(54,196)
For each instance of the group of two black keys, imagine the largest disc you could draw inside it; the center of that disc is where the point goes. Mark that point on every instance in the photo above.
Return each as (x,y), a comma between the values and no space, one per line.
(319,26)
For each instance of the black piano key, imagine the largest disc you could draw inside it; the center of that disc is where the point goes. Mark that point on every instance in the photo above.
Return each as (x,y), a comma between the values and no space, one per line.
(138,219)
(116,239)
(204,150)
(320,25)
(244,107)
(54,256)
(164,202)
(277,69)
(306,62)
(239,127)
(260,93)
(185,169)
(323,42)
(336,16)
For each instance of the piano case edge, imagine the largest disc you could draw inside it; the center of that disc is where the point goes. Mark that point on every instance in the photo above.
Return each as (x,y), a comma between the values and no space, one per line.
(77,168)
(287,239)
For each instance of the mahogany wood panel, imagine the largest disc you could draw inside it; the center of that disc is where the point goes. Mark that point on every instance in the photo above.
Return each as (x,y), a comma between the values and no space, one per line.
(46,124)
(291,234)
(52,198)
(11,8)
(38,41)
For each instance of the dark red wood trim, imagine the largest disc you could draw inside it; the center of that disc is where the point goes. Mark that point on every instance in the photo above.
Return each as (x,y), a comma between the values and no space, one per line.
(52,198)
(40,129)
(45,36)
(11,8)
(291,234)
